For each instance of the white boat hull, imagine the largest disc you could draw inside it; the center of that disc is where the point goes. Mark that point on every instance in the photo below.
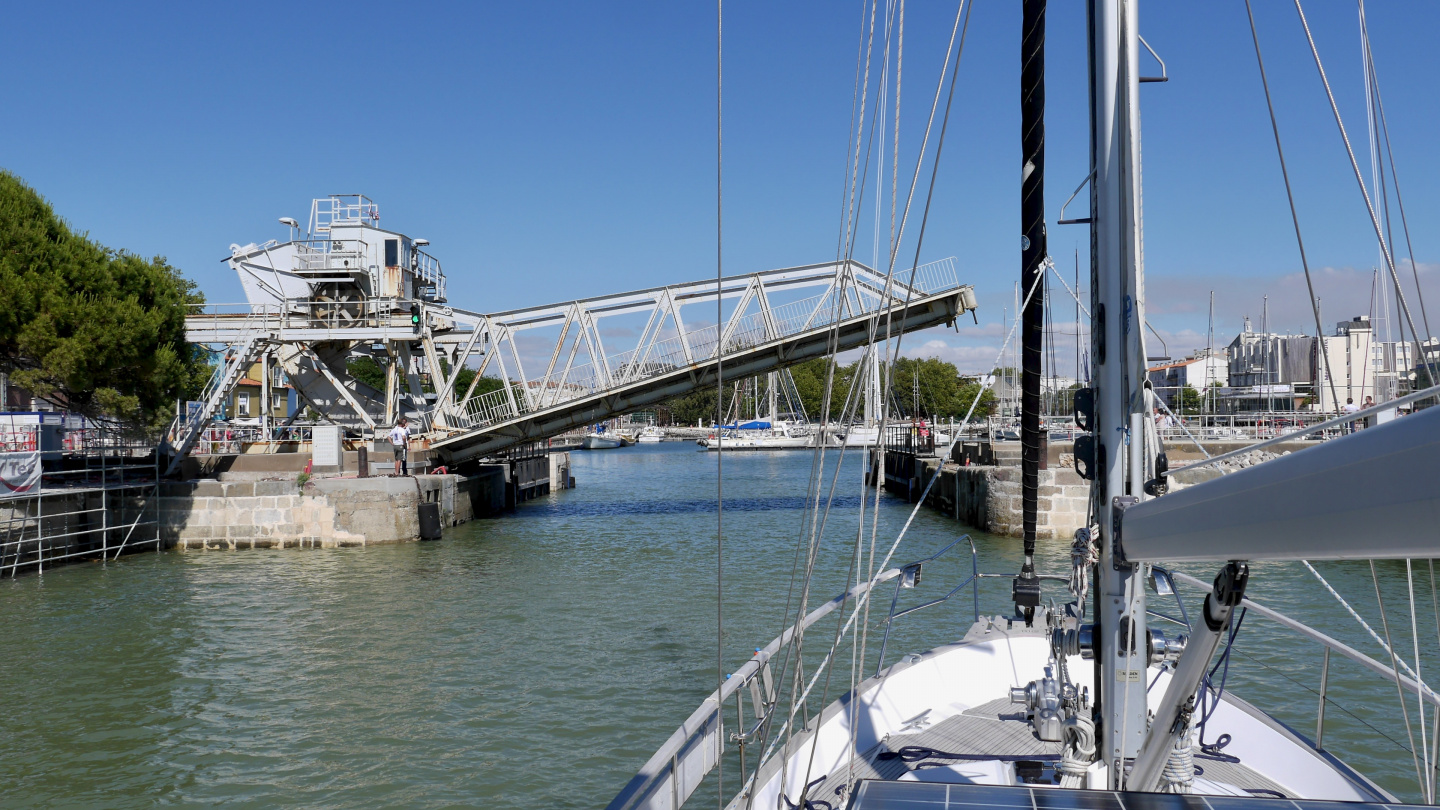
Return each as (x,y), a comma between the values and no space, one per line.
(859,437)
(758,443)
(594,442)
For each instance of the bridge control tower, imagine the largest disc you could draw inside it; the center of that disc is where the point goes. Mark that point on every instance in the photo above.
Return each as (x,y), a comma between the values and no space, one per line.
(347,288)
(343,259)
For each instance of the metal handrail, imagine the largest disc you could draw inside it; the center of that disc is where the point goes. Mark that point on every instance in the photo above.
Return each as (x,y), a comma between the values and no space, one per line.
(911,574)
(1319,426)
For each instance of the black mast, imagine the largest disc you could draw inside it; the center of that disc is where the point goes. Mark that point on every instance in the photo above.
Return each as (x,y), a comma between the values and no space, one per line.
(1026,589)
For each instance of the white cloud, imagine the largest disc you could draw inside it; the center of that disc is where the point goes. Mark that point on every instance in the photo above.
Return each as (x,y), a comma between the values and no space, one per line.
(968,359)
(1182,303)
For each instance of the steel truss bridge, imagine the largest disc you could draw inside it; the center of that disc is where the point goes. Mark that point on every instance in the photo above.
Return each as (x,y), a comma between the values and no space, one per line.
(555,371)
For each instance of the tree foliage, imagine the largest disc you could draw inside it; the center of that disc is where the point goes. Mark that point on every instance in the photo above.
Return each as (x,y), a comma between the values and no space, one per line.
(100,330)
(943,393)
(1188,400)
(367,370)
(809,379)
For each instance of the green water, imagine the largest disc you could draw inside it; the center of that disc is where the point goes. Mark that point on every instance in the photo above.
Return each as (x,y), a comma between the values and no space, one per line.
(530,661)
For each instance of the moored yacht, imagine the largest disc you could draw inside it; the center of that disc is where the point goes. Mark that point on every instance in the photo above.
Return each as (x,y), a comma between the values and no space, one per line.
(760,435)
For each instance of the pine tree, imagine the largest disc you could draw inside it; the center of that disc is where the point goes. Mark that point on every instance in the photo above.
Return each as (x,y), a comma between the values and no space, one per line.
(101,331)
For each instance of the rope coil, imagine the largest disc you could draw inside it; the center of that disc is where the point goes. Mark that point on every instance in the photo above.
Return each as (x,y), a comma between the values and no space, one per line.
(1179,773)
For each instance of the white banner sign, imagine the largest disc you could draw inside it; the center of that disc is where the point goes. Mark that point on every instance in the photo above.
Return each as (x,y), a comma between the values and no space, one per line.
(19,472)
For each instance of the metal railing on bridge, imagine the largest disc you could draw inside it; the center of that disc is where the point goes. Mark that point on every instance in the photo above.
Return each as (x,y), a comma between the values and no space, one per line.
(657,357)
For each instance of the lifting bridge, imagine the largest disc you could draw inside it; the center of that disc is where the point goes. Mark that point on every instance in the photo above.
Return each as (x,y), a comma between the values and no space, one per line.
(351,290)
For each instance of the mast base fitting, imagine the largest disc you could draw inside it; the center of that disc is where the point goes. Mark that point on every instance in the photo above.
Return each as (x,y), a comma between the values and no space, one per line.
(1025,591)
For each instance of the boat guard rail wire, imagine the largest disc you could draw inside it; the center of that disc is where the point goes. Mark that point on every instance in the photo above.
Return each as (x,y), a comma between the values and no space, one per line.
(676,769)
(1329,643)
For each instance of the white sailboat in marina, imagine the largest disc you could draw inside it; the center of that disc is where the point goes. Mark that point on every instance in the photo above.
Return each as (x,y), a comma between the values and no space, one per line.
(764,433)
(867,433)
(602,439)
(1075,697)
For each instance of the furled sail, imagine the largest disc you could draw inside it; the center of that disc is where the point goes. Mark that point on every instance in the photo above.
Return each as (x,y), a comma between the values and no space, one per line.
(1374,494)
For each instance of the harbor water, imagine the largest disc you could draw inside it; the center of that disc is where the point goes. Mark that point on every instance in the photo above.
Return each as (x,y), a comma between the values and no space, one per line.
(538,659)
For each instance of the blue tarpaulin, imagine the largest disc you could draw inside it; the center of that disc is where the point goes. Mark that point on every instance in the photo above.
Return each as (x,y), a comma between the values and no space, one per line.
(745,426)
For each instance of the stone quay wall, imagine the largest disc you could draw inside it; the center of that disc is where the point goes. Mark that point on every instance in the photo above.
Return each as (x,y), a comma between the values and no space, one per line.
(989,498)
(980,485)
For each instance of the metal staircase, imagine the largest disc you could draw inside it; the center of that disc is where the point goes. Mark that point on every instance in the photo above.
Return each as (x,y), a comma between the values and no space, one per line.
(186,428)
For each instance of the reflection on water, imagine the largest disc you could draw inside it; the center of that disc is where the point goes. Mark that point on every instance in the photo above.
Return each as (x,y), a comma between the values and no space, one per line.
(531,661)
(604,508)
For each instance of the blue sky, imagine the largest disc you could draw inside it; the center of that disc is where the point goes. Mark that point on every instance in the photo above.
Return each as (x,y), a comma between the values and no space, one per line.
(555,151)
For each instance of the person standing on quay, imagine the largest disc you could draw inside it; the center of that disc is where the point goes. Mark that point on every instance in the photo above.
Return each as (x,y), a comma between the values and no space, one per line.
(1350,407)
(400,439)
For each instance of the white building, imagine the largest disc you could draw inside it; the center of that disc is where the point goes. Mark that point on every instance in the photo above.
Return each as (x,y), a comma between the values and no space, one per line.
(1200,371)
(1268,371)
(1362,366)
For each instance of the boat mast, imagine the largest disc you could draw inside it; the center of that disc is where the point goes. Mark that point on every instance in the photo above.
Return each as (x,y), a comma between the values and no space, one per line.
(1025,589)
(1118,357)
(771,401)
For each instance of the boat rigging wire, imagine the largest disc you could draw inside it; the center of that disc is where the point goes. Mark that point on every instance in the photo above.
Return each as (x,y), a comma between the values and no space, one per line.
(1355,165)
(1435,738)
(1427,783)
(1181,422)
(1329,701)
(1424,393)
(794,709)
(843,250)
(719,398)
(1379,124)
(860,643)
(1363,623)
(857,188)
(1294,213)
(1395,183)
(890,14)
(1404,709)
(914,511)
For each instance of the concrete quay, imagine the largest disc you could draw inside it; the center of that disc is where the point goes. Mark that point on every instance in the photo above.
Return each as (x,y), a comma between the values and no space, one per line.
(246,509)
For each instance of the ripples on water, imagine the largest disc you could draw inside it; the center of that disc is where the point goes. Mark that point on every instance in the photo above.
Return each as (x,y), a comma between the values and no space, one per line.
(531,661)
